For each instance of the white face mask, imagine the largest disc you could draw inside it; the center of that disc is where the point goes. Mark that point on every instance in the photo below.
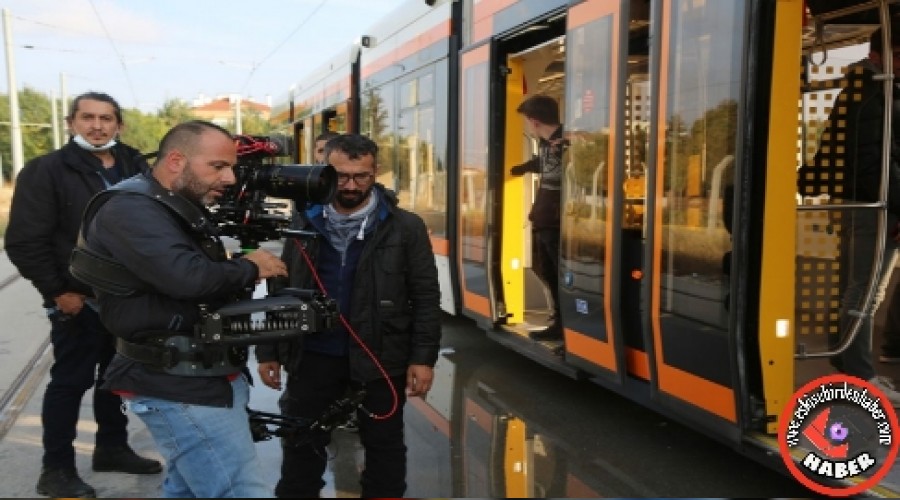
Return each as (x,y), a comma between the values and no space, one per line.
(84,144)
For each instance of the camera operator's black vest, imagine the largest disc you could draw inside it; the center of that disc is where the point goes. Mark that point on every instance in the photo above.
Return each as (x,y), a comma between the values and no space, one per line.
(107,275)
(175,353)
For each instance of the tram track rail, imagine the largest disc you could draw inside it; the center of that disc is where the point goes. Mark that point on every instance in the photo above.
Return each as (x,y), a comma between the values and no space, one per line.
(13,401)
(23,387)
(9,280)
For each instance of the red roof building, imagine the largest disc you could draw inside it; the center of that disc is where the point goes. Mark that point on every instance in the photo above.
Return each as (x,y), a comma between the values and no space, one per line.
(221,110)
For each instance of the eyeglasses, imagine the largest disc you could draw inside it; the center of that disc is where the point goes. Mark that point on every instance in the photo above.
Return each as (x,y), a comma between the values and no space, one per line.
(359,178)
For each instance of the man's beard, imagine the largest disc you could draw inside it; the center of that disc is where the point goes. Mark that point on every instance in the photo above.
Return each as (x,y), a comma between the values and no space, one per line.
(189,186)
(352,199)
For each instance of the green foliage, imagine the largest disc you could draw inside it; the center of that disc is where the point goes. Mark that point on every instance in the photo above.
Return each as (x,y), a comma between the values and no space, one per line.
(37,133)
(173,112)
(253,123)
(142,130)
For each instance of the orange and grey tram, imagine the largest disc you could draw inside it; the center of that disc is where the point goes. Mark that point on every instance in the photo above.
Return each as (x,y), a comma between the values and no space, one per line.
(694,277)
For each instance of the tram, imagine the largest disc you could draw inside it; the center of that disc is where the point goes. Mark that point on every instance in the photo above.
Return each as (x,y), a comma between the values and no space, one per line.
(694,277)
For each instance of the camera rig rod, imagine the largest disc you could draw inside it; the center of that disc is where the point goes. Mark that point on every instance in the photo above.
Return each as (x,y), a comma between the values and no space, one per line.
(296,430)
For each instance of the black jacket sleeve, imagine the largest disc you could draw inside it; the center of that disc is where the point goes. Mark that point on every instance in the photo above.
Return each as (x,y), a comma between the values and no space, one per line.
(424,293)
(33,222)
(152,244)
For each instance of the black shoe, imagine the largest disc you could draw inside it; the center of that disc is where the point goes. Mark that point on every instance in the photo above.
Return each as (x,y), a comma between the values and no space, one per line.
(123,459)
(63,483)
(552,332)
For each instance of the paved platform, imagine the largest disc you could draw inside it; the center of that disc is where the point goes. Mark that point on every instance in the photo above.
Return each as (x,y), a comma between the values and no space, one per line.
(20,452)
(25,359)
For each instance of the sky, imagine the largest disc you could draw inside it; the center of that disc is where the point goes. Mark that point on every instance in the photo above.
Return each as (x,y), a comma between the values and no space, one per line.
(145,52)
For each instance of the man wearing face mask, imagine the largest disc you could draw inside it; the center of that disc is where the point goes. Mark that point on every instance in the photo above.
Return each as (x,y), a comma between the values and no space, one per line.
(51,193)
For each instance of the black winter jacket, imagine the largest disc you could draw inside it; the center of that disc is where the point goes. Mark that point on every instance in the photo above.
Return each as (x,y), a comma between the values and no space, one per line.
(51,193)
(155,246)
(396,295)
(851,148)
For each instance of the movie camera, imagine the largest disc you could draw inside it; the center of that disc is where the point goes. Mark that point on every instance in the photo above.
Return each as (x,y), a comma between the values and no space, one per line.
(245,212)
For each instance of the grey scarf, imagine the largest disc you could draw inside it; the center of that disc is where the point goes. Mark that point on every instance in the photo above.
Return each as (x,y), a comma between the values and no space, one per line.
(341,229)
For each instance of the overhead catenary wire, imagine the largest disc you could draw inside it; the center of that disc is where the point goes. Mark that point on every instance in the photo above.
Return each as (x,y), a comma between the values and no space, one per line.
(118,54)
(278,47)
(138,34)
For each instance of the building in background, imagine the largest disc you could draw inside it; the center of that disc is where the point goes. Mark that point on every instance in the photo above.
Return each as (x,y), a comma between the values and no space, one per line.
(222,110)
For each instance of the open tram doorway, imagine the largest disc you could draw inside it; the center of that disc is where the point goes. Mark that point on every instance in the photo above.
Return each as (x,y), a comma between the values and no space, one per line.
(535,65)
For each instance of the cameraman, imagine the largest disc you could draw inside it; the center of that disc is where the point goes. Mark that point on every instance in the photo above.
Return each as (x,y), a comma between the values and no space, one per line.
(153,231)
(375,259)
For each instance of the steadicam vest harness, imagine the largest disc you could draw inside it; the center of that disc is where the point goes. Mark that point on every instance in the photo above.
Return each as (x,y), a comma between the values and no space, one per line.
(176,353)
(108,275)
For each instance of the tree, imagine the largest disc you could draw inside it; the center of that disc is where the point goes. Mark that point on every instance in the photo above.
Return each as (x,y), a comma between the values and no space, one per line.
(35,115)
(142,131)
(175,111)
(252,122)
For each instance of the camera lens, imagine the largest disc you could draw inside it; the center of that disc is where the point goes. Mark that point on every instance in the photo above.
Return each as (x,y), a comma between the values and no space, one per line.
(311,183)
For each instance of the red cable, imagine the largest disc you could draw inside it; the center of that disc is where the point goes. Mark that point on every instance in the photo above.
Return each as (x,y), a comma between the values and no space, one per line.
(353,334)
(248,145)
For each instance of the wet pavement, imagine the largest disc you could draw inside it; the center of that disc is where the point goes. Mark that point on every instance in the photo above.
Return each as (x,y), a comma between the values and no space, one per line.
(495,425)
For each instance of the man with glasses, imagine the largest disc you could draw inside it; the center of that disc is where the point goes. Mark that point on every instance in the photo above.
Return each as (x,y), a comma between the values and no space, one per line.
(375,259)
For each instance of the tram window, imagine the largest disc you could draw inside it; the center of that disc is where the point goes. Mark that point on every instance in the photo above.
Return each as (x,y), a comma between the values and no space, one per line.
(587,126)
(415,167)
(701,119)
(378,124)
(408,94)
(426,88)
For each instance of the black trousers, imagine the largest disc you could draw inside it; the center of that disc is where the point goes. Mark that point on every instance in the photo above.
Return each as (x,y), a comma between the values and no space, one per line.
(314,385)
(545,244)
(82,349)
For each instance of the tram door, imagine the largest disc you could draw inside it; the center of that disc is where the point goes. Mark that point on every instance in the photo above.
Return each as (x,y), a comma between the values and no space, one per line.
(645,242)
(536,70)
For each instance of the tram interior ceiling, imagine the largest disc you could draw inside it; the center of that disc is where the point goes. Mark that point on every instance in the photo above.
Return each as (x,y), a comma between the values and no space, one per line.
(841,23)
(849,11)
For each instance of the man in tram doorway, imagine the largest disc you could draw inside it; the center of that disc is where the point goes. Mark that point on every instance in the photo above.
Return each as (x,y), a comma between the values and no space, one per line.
(862,110)
(541,115)
(51,193)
